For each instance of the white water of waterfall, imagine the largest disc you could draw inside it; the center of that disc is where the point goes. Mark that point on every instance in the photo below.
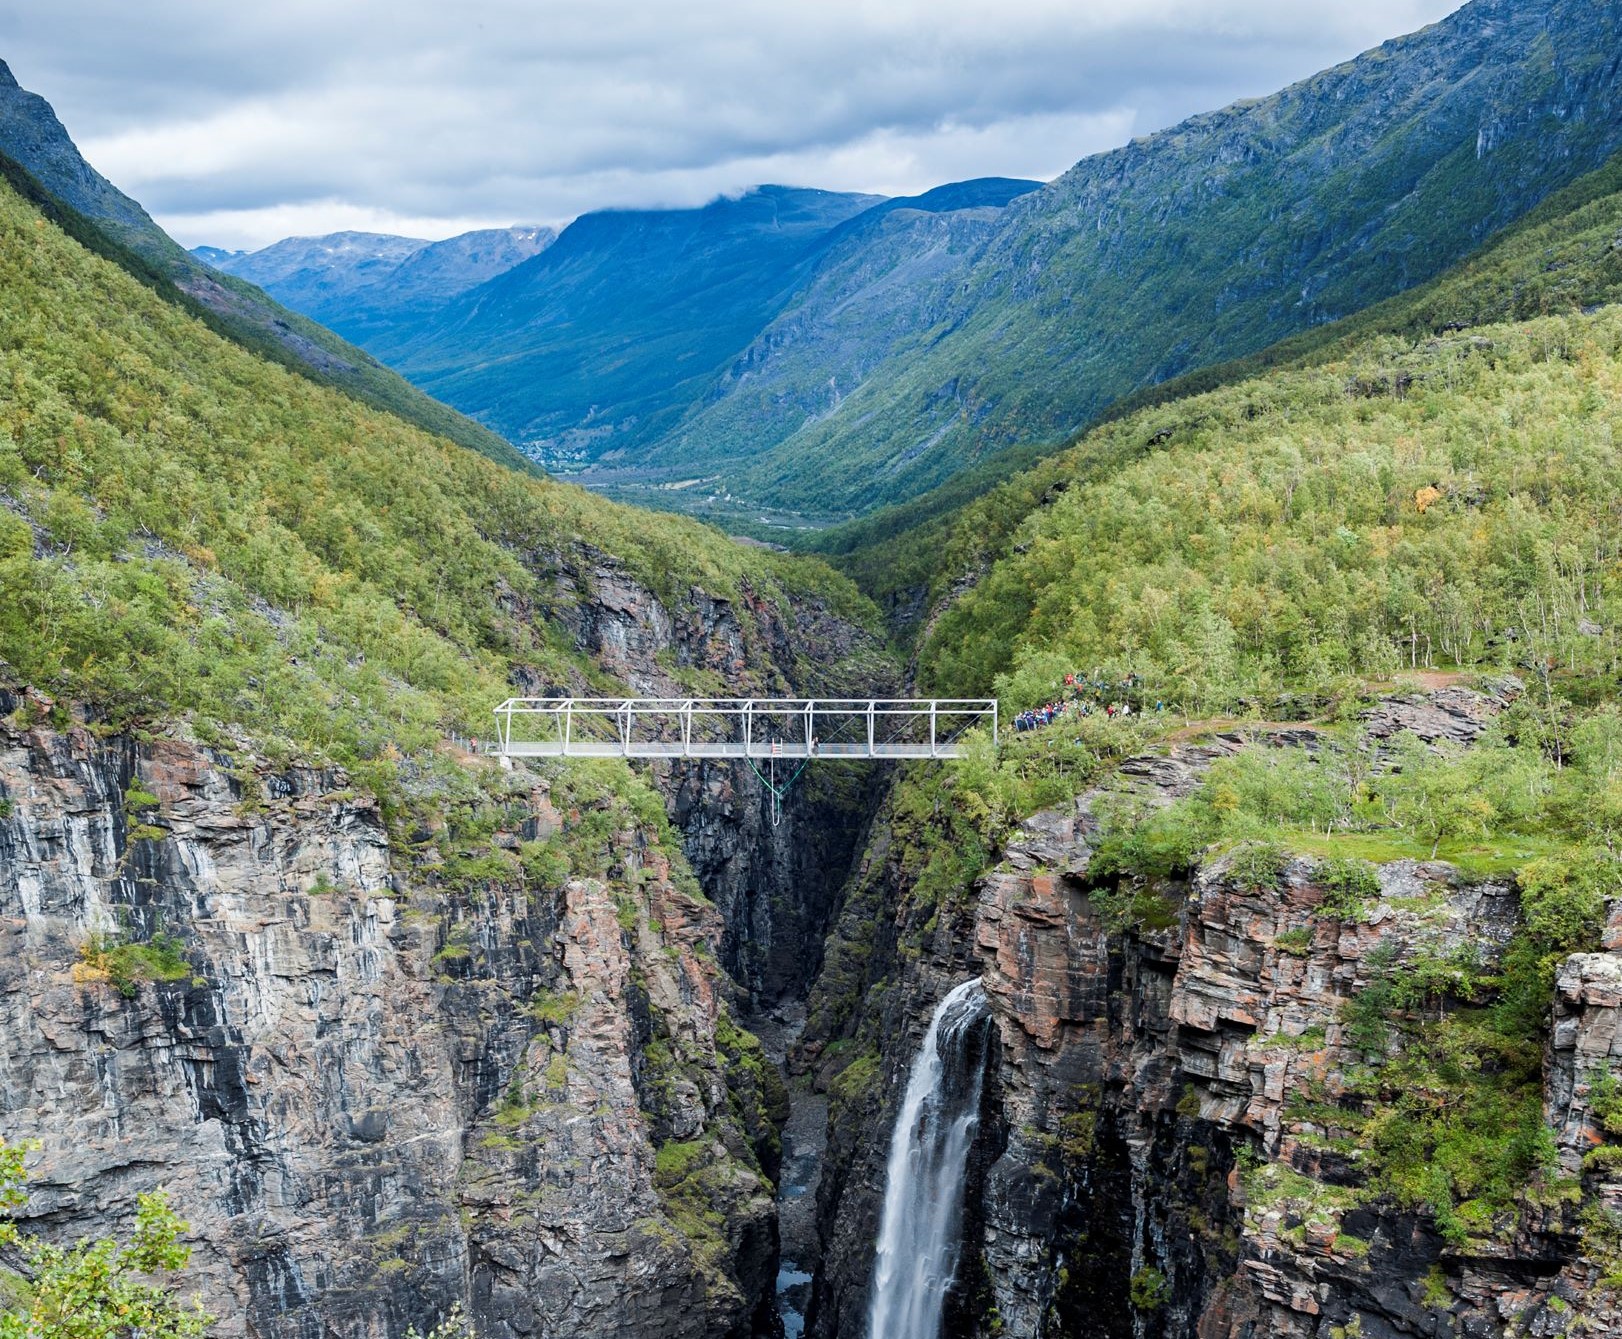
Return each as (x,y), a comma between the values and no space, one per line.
(921,1230)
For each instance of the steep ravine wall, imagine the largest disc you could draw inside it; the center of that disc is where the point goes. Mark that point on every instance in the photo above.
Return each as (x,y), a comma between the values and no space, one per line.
(375,1093)
(352,1095)
(1133,1176)
(777,884)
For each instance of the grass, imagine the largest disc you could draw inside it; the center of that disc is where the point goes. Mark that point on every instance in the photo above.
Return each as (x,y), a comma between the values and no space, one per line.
(1500,857)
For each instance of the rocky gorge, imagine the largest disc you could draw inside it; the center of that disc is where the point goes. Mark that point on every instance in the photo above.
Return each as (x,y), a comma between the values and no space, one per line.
(1162,1147)
(395,1064)
(385,1083)
(389,1077)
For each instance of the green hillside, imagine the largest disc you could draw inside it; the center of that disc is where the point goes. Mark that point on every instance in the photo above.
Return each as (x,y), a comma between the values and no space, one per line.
(39,158)
(1563,258)
(1452,503)
(1388,499)
(1215,239)
(188,529)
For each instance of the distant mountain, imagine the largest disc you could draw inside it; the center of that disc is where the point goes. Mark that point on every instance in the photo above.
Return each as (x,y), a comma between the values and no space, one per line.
(311,273)
(859,360)
(444,270)
(35,143)
(31,134)
(878,281)
(217,257)
(595,347)
(1203,243)
(361,283)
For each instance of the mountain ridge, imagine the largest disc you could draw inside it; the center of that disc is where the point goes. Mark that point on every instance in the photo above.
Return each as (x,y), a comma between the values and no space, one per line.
(360,283)
(32,136)
(886,372)
(1442,155)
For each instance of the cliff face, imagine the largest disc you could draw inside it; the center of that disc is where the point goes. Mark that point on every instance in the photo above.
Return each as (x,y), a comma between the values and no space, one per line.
(1165,1150)
(776,883)
(363,1089)
(380,1077)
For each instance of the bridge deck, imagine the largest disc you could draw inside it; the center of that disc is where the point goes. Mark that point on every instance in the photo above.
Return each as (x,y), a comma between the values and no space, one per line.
(751,728)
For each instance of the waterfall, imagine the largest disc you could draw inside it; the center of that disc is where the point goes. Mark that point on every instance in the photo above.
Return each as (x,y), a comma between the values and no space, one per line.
(922,1227)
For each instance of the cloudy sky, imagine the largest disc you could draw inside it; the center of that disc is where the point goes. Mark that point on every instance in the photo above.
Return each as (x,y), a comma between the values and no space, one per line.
(240,124)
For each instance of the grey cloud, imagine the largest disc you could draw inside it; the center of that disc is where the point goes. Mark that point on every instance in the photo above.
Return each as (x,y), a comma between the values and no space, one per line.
(539,109)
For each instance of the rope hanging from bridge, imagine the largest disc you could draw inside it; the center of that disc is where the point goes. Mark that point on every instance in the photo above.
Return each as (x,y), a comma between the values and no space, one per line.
(778,793)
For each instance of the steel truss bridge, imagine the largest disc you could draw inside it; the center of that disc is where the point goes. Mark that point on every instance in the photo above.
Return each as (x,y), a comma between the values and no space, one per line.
(752,728)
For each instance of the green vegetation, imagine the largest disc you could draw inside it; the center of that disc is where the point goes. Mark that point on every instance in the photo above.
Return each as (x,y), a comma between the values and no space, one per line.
(1487,809)
(1149,1289)
(857,1079)
(1305,533)
(185,528)
(693,1179)
(127,963)
(137,806)
(94,1290)
(1561,259)
(1349,886)
(1445,1112)
(114,227)
(455,1326)
(554,1008)
(949,822)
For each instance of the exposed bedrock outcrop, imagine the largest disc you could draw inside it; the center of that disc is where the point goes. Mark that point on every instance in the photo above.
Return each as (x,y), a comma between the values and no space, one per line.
(375,1091)
(1153,1161)
(776,883)
(372,1095)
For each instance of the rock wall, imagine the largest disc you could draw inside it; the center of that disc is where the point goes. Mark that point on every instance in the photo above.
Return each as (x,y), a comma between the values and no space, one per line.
(1150,1166)
(376,1092)
(777,883)
(372,1095)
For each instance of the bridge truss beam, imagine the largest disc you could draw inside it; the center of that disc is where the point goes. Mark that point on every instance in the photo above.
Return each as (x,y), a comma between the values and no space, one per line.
(753,728)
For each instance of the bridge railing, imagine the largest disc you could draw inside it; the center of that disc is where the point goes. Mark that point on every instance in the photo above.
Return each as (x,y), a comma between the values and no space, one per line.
(739,727)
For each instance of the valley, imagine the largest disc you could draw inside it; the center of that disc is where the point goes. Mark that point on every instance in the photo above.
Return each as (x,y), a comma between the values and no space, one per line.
(1262,977)
(829,354)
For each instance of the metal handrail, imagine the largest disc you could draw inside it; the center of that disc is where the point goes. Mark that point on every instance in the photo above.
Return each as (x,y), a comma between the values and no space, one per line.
(894,727)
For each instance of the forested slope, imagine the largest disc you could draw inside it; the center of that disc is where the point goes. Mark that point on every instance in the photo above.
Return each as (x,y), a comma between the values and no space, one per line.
(191,529)
(1563,258)
(33,139)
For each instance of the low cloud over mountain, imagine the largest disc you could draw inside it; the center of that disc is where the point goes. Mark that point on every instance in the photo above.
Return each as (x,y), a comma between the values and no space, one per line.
(241,126)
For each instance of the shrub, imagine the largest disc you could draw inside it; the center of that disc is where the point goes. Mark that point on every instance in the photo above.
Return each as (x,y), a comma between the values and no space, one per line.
(1605,1101)
(1348,888)
(97,1290)
(455,1326)
(127,963)
(1149,1289)
(554,1008)
(1296,942)
(1256,865)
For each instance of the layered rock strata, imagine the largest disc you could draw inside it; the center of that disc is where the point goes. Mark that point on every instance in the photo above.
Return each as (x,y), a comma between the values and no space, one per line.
(1160,1154)
(373,1095)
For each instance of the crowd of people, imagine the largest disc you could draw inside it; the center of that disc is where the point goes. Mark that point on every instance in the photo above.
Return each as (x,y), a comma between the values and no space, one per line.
(1088,695)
